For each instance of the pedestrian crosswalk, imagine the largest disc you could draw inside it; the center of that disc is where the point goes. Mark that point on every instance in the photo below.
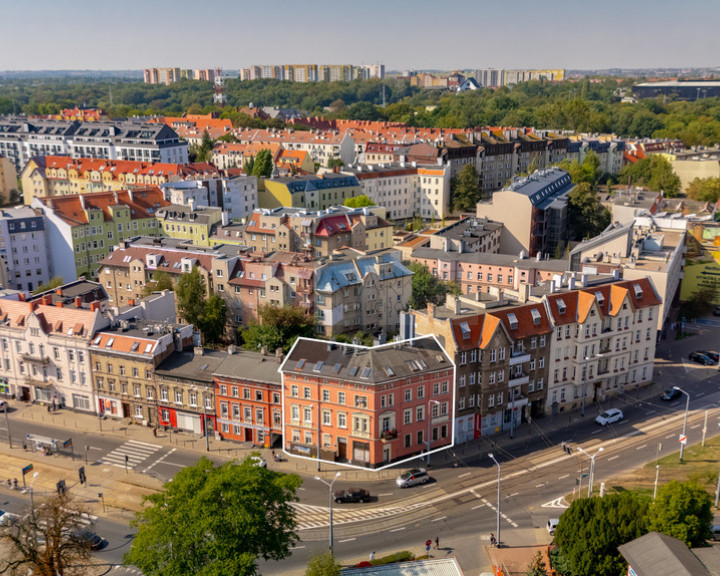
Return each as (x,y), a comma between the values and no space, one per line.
(135,451)
(310,516)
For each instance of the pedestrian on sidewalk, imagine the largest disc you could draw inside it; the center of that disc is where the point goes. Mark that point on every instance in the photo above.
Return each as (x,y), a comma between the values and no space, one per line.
(154,431)
(54,403)
(437,543)
(492,539)
(372,555)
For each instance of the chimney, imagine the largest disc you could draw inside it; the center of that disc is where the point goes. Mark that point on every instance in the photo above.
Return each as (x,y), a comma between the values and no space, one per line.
(131,301)
(94,306)
(198,351)
(231,349)
(191,203)
(584,280)
(78,302)
(33,305)
(279,355)
(58,291)
(225,218)
(571,283)
(22,298)
(524,292)
(264,350)
(59,304)
(430,310)
(47,300)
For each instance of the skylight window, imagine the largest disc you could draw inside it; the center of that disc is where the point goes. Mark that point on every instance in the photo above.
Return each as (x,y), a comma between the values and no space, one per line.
(535,316)
(513,321)
(389,371)
(110,342)
(561,306)
(319,366)
(353,370)
(465,329)
(600,298)
(148,348)
(97,340)
(135,346)
(337,368)
(366,372)
(300,364)
(638,290)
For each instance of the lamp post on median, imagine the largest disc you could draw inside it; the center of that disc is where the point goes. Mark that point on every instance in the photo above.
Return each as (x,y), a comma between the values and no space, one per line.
(687,409)
(592,467)
(30,490)
(429,419)
(497,528)
(330,492)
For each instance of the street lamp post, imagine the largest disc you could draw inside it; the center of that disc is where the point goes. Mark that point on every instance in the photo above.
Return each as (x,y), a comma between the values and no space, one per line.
(330,492)
(30,490)
(429,419)
(592,467)
(687,409)
(497,528)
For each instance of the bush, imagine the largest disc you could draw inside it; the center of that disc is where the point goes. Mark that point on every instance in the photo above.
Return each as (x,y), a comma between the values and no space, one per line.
(403,556)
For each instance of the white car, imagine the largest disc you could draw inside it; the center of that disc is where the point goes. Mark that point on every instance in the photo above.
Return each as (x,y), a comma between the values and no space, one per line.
(609,417)
(7,518)
(257,460)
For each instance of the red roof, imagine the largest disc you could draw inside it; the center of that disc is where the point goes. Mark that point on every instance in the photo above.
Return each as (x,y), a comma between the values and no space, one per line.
(332,225)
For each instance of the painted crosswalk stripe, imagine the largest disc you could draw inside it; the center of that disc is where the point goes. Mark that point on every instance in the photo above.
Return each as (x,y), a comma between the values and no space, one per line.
(133,452)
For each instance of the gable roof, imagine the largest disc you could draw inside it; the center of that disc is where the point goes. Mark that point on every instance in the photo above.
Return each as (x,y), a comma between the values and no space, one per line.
(656,554)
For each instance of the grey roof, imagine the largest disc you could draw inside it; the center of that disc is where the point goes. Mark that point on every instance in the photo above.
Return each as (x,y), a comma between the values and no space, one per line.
(368,365)
(335,275)
(657,554)
(434,567)
(87,290)
(191,366)
(180,213)
(490,259)
(543,187)
(614,230)
(250,366)
(469,228)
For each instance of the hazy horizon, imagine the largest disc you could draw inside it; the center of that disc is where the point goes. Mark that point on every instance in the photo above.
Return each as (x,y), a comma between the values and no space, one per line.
(403,34)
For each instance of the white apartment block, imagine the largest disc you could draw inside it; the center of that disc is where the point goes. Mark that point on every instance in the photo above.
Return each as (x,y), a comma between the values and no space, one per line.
(23,248)
(433,198)
(394,187)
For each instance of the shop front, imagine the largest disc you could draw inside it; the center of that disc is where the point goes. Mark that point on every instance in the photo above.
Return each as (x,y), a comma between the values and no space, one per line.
(111,407)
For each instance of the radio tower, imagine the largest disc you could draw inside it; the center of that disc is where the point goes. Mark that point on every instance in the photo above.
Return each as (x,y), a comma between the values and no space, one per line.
(219,95)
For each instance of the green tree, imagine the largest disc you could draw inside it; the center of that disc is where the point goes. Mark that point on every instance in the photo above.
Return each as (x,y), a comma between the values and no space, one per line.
(335,163)
(204,151)
(359,202)
(47,541)
(277,327)
(587,217)
(190,297)
(54,282)
(263,164)
(588,172)
(537,567)
(682,510)
(465,189)
(705,189)
(161,280)
(700,303)
(215,520)
(591,530)
(323,565)
(249,165)
(655,172)
(214,318)
(425,287)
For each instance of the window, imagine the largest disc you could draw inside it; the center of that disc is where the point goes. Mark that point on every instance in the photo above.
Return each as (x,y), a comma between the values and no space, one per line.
(342,420)
(178,397)
(294,391)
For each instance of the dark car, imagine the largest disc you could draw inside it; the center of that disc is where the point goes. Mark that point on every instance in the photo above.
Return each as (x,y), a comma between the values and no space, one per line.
(352,495)
(90,538)
(670,394)
(716,311)
(714,356)
(700,358)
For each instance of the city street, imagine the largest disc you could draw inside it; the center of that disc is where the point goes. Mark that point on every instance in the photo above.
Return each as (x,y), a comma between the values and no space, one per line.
(459,505)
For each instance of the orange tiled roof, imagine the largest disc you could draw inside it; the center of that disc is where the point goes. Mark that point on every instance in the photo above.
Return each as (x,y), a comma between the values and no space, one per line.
(66,320)
(124,343)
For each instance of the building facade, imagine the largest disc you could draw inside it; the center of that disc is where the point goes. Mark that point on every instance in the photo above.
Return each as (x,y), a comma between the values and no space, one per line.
(23,248)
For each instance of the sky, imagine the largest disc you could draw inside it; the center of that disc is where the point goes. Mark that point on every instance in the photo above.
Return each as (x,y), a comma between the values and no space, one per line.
(402,34)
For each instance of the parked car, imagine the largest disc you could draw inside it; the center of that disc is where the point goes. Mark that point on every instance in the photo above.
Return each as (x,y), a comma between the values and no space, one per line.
(257,460)
(715,532)
(7,518)
(716,311)
(412,478)
(700,358)
(670,394)
(552,525)
(4,406)
(609,416)
(714,356)
(352,495)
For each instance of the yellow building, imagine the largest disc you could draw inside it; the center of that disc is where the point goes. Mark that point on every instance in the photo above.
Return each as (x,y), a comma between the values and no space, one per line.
(311,192)
(61,175)
(181,222)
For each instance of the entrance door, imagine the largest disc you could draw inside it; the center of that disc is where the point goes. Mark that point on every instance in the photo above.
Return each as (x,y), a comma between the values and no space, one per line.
(125,409)
(248,434)
(342,449)
(386,453)
(25,394)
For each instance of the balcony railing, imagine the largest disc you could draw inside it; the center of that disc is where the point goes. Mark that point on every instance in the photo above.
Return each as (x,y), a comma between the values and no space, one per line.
(519,358)
(519,380)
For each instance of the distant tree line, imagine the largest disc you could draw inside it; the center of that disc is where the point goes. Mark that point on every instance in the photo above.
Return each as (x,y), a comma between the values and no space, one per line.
(583,106)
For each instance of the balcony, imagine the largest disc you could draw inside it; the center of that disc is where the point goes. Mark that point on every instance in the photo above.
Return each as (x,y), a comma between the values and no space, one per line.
(519,380)
(388,435)
(519,358)
(44,360)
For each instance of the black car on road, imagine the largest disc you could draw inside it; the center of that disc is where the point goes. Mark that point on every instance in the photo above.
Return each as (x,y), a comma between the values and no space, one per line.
(700,358)
(714,356)
(352,495)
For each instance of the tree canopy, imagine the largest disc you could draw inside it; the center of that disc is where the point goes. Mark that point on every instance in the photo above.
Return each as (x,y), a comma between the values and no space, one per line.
(214,318)
(465,189)
(655,172)
(54,282)
(263,164)
(277,327)
(359,202)
(682,510)
(161,280)
(426,288)
(590,531)
(207,314)
(216,520)
(705,189)
(587,217)
(323,565)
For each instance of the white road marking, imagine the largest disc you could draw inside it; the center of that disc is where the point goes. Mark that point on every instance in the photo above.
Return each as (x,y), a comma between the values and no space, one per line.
(669,436)
(397,529)
(476,507)
(466,474)
(563,477)
(160,460)
(297,548)
(386,494)
(613,457)
(650,412)
(540,485)
(641,447)
(347,540)
(598,431)
(699,394)
(438,519)
(513,495)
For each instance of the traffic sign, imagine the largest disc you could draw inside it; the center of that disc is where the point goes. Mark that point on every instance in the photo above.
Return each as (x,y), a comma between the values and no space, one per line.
(683,439)
(428,542)
(27,469)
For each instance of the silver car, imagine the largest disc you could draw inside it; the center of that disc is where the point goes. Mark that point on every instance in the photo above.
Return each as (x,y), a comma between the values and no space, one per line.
(412,478)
